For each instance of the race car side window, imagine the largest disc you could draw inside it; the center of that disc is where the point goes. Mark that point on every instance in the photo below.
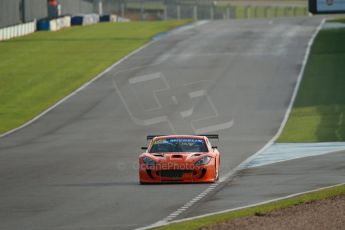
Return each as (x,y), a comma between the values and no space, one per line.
(209,146)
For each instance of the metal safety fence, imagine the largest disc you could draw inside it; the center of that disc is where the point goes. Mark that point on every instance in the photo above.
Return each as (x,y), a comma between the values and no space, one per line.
(199,9)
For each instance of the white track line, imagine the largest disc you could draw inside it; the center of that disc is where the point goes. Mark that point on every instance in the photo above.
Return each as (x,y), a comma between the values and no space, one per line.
(239,208)
(173,215)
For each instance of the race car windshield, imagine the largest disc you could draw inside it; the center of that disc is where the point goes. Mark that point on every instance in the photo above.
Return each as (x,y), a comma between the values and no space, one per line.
(165,145)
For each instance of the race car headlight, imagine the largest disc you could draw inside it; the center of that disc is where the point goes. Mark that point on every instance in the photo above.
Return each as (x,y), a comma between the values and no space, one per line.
(148,161)
(203,161)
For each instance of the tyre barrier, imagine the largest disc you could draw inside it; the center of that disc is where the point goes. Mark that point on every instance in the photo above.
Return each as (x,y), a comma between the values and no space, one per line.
(43,24)
(17,30)
(108,18)
(54,24)
(60,23)
(112,18)
(85,19)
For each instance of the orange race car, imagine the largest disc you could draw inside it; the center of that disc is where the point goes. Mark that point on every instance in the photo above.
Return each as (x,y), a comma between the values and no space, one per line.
(179,158)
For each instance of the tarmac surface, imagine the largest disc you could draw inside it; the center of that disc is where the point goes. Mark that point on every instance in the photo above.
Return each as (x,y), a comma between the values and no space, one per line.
(76,167)
(254,185)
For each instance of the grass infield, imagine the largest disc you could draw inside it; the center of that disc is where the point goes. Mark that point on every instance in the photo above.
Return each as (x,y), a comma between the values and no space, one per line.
(38,70)
(257,210)
(318,114)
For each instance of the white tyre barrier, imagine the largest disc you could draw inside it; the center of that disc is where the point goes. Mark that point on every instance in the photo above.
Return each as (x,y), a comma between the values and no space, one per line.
(60,23)
(17,30)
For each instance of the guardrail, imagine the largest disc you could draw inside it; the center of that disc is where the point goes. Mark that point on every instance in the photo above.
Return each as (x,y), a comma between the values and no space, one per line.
(17,30)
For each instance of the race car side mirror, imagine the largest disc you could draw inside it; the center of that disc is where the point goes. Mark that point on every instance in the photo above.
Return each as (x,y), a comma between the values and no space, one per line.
(214,147)
(144,148)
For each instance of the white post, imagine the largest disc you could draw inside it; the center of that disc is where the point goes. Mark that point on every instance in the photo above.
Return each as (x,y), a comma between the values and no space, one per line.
(122,10)
(59,9)
(165,12)
(178,9)
(100,7)
(248,11)
(267,12)
(195,12)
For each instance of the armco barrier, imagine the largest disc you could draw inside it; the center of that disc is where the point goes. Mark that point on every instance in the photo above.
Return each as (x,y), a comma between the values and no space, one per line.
(86,19)
(17,30)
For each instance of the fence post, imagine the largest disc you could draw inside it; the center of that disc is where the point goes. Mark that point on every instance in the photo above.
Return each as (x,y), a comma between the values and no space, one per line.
(165,12)
(248,11)
(195,12)
(100,7)
(122,9)
(59,10)
(22,10)
(178,12)
(142,9)
(228,12)
(266,11)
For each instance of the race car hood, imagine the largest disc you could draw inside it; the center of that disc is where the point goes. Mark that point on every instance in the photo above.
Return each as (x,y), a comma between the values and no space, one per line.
(176,156)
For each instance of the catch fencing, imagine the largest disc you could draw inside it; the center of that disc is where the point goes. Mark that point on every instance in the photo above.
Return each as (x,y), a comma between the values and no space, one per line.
(14,12)
(201,9)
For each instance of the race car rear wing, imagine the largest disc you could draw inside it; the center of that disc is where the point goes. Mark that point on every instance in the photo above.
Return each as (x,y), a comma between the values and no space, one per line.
(209,136)
(150,137)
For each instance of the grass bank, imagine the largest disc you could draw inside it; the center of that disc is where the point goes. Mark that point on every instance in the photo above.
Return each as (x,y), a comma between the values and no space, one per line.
(39,69)
(318,114)
(257,210)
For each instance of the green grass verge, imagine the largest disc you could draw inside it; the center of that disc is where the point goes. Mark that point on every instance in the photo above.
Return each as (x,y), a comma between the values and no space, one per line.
(318,114)
(341,19)
(262,209)
(39,69)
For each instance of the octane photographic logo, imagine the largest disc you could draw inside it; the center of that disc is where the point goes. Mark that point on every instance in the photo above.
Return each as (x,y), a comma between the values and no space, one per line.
(169,166)
(151,100)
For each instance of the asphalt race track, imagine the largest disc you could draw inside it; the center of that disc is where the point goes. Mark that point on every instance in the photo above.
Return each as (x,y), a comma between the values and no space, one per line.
(75,167)
(274,181)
